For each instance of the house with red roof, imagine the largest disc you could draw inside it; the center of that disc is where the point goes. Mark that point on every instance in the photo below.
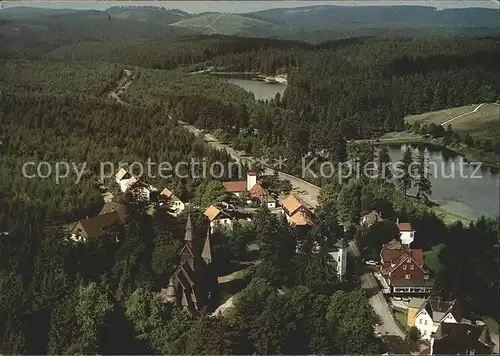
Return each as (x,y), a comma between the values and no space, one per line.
(404,270)
(407,234)
(252,188)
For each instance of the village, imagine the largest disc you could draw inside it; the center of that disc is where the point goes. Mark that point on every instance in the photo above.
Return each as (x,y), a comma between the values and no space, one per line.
(406,284)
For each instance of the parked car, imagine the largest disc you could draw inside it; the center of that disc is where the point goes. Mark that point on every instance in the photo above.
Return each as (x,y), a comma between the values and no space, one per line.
(371,263)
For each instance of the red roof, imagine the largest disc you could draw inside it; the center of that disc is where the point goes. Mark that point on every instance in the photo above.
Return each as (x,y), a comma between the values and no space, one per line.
(418,256)
(405,227)
(235,187)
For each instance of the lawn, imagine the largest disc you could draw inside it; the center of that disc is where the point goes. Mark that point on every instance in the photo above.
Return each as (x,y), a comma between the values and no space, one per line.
(438,117)
(483,124)
(402,318)
(450,218)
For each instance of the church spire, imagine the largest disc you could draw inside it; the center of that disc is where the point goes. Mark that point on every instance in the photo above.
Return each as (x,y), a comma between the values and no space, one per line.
(206,254)
(188,238)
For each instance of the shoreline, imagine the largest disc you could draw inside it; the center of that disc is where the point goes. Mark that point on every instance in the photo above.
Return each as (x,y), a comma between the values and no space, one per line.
(467,156)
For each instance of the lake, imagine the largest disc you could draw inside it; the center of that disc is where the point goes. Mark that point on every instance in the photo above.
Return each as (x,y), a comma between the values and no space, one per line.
(454,186)
(260,90)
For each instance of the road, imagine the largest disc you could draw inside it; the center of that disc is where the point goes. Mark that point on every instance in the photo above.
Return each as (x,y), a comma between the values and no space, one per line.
(459,116)
(123,84)
(368,282)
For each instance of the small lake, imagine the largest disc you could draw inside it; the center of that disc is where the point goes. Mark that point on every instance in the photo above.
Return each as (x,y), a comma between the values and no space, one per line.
(261,91)
(454,186)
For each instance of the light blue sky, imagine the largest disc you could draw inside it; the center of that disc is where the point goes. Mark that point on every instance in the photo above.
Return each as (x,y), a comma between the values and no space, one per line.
(241,6)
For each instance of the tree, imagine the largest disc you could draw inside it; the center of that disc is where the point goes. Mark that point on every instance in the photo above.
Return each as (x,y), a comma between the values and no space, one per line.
(212,192)
(384,164)
(349,202)
(423,182)
(406,172)
(414,334)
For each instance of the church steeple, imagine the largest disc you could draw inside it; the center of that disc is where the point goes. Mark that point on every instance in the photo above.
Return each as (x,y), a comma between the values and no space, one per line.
(206,254)
(188,238)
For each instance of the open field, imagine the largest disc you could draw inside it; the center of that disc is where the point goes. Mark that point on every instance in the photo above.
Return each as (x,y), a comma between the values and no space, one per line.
(438,117)
(484,124)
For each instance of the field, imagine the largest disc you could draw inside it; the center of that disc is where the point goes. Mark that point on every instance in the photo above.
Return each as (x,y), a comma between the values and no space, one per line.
(483,124)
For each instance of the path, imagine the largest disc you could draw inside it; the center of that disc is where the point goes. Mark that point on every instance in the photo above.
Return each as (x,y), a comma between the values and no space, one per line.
(459,116)
(123,84)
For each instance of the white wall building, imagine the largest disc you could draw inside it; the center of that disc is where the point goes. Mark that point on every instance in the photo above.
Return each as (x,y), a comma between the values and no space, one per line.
(339,254)
(407,233)
(432,313)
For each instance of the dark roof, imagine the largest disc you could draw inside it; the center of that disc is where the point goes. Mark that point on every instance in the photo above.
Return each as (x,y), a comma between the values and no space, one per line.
(95,226)
(437,308)
(189,229)
(459,338)
(112,206)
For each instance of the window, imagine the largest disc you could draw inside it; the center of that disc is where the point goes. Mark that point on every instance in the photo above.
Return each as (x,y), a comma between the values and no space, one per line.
(425,322)
(412,267)
(421,321)
(404,267)
(407,276)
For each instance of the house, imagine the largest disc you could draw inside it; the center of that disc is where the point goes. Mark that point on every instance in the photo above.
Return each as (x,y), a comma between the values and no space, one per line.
(403,269)
(431,313)
(461,339)
(94,227)
(177,205)
(371,219)
(218,219)
(407,234)
(239,187)
(128,182)
(296,212)
(193,282)
(111,207)
(260,194)
(413,307)
(339,255)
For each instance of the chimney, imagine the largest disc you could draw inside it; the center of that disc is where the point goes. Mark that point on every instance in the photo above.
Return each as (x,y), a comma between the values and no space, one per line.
(397,221)
(251,180)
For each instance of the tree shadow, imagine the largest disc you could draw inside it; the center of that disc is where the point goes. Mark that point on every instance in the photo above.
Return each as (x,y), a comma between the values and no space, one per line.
(398,345)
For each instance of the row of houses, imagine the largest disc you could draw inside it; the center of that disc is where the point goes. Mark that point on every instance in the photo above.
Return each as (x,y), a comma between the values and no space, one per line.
(441,322)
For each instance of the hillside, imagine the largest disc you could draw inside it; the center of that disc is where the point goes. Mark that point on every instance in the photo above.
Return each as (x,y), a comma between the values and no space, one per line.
(226,24)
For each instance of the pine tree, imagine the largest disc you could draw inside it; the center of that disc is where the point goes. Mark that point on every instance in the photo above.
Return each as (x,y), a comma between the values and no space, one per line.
(423,182)
(405,175)
(384,164)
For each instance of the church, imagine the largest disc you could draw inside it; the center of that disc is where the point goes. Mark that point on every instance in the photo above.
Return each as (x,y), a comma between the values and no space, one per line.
(193,283)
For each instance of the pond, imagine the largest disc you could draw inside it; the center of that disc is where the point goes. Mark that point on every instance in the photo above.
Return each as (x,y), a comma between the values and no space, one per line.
(459,187)
(261,90)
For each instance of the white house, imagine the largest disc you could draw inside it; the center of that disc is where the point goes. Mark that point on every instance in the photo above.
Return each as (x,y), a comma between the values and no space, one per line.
(407,233)
(218,219)
(339,254)
(176,204)
(432,313)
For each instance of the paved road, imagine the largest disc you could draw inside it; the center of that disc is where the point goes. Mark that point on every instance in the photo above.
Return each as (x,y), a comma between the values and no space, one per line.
(368,282)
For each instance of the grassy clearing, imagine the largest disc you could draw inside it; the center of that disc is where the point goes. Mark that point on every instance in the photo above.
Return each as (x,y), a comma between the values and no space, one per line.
(438,117)
(401,136)
(449,217)
(402,317)
(483,124)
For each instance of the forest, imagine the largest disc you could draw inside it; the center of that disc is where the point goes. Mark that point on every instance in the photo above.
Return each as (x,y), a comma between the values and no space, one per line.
(57,297)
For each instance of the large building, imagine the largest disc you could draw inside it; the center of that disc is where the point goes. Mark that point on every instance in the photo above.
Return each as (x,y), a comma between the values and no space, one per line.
(427,314)
(407,234)
(403,270)
(193,282)
(339,254)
